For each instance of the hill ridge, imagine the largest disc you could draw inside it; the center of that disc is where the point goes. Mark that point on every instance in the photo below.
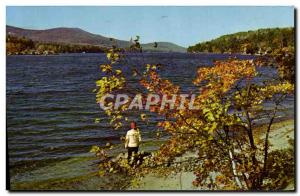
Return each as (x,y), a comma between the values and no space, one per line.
(74,35)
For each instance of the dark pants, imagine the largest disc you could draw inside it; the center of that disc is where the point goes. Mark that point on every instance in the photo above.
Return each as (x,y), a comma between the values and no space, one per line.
(130,151)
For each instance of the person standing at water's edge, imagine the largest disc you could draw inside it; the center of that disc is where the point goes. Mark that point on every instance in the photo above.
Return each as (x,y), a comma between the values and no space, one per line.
(132,141)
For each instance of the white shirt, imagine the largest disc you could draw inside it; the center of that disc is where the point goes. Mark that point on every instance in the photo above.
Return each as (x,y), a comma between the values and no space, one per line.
(133,138)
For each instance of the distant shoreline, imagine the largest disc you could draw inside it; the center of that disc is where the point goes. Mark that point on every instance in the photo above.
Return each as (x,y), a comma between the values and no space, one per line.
(145,52)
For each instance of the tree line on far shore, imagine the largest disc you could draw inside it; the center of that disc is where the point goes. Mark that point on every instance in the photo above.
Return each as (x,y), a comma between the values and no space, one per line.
(25,46)
(261,41)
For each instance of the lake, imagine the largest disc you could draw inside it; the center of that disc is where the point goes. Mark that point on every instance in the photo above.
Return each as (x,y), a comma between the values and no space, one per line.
(51,108)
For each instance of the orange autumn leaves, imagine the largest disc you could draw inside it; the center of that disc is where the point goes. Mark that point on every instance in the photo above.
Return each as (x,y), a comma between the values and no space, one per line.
(223,75)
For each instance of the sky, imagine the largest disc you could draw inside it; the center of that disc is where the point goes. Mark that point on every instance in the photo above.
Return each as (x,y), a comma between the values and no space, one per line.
(184,26)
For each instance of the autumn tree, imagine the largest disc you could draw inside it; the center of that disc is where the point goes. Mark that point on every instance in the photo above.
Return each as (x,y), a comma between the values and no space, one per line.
(230,99)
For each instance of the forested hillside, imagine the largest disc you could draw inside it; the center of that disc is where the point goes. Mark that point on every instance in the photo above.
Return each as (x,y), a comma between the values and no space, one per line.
(260,41)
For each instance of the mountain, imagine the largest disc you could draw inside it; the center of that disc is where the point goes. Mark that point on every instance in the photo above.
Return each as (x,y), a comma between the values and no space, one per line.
(63,35)
(163,47)
(79,36)
(250,42)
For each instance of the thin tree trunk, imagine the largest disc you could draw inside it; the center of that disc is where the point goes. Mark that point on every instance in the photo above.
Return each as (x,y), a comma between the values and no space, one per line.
(180,180)
(266,148)
(235,174)
(252,179)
